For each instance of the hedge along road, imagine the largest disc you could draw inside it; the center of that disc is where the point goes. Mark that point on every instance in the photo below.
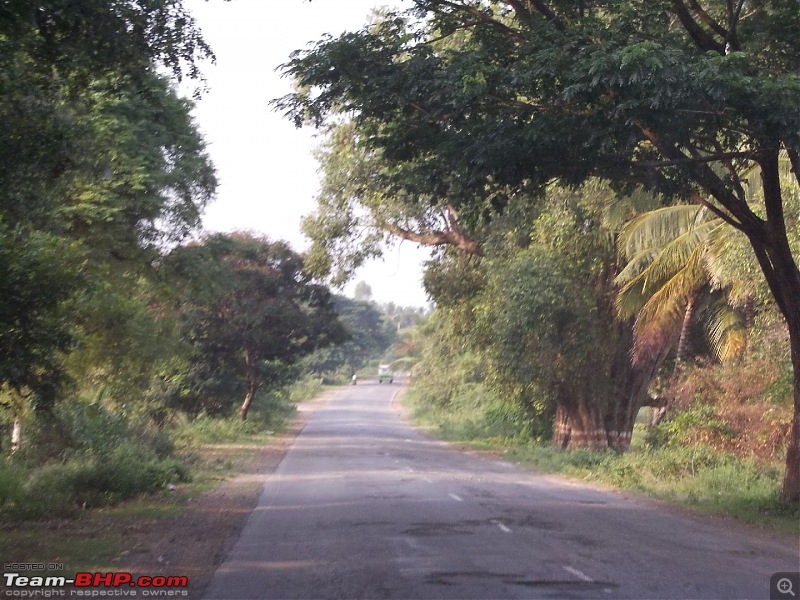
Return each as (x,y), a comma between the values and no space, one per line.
(363,506)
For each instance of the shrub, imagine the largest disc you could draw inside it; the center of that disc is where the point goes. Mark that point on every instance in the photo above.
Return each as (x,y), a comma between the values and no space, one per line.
(95,479)
(12,481)
(699,424)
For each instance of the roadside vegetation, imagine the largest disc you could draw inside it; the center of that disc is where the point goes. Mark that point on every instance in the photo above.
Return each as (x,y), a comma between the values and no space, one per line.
(720,448)
(202,509)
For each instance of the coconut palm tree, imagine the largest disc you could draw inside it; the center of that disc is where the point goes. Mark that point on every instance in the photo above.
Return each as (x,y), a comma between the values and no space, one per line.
(675,258)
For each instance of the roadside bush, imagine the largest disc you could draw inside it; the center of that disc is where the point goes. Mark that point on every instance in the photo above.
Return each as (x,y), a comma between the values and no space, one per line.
(699,424)
(92,479)
(207,429)
(269,412)
(12,482)
(78,427)
(474,412)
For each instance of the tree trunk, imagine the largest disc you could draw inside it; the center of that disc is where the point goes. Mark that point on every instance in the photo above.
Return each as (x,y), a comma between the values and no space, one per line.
(248,400)
(680,358)
(561,429)
(770,243)
(16,434)
(631,386)
(252,384)
(598,423)
(580,425)
(791,477)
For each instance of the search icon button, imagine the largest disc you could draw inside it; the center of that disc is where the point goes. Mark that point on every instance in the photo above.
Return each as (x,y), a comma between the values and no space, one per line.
(784,585)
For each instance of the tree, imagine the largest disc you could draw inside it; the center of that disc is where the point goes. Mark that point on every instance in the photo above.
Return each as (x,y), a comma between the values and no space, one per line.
(38,276)
(675,265)
(86,117)
(363,293)
(675,96)
(543,332)
(251,314)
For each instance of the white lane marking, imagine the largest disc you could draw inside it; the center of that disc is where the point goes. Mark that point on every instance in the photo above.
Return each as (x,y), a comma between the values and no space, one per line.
(578,574)
(427,479)
(503,527)
(456,498)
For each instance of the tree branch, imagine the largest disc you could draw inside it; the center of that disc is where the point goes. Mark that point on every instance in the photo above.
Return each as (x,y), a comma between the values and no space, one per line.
(453,235)
(483,17)
(541,8)
(700,199)
(691,160)
(773,202)
(744,219)
(707,19)
(436,238)
(703,40)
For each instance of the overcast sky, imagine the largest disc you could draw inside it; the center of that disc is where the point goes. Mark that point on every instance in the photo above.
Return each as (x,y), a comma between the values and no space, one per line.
(268,176)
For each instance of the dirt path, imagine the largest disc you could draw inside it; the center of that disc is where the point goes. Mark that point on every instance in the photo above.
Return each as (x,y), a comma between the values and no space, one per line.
(195,542)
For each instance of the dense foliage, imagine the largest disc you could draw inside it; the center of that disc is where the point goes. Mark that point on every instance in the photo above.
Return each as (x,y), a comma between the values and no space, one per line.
(249,314)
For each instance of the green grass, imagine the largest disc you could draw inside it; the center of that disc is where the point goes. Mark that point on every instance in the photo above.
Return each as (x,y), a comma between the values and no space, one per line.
(87,546)
(691,475)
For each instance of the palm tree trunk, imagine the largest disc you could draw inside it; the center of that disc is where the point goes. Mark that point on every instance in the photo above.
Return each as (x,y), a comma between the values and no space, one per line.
(749,317)
(680,358)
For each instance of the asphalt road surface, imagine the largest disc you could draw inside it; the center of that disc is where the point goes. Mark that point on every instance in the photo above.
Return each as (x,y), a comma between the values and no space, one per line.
(363,506)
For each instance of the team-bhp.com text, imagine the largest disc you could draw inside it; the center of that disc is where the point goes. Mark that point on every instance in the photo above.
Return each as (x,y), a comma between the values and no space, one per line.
(94,585)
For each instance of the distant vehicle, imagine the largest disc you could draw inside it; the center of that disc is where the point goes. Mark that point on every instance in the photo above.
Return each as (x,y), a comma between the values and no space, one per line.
(385,374)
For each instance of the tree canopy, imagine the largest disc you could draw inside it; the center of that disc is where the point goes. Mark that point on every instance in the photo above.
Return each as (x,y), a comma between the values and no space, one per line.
(251,314)
(101,165)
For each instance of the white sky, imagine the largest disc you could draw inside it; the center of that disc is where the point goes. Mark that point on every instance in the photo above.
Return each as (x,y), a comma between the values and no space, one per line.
(268,176)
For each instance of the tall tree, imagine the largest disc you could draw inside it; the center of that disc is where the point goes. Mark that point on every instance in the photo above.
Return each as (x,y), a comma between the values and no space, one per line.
(251,314)
(38,275)
(680,97)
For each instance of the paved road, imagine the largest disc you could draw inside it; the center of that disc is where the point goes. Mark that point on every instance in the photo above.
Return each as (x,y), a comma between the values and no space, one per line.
(363,506)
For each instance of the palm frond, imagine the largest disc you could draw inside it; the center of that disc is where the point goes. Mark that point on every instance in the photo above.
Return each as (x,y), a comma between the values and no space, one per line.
(726,330)
(675,255)
(636,265)
(718,248)
(659,319)
(655,229)
(622,208)
(631,298)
